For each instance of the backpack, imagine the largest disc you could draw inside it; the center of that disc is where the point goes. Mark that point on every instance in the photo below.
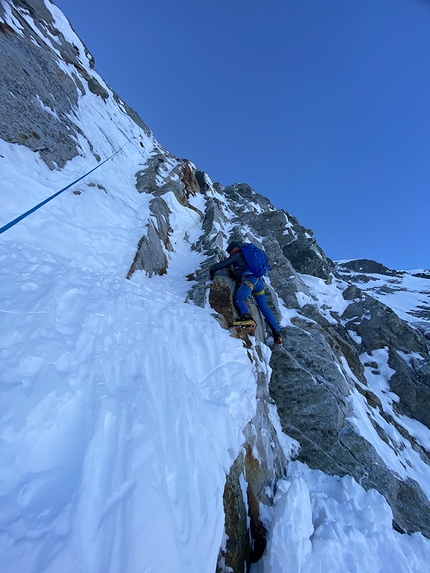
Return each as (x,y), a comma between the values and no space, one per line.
(255,259)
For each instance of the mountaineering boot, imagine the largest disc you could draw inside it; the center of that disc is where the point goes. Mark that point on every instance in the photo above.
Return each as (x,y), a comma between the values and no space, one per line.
(246,317)
(245,320)
(277,338)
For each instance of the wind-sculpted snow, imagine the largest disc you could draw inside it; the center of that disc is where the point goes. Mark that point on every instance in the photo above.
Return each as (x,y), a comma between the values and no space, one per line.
(113,454)
(137,432)
(327,523)
(122,406)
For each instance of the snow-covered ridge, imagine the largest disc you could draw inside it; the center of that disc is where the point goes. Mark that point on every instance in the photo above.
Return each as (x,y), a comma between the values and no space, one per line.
(138,434)
(406,292)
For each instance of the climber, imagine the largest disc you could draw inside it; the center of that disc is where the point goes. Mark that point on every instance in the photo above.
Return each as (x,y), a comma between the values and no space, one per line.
(249,284)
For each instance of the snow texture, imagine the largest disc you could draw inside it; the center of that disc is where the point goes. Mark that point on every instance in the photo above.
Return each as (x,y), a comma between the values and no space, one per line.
(122,407)
(327,523)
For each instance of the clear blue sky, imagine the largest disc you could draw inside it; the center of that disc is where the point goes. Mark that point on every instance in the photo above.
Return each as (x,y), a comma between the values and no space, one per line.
(321,105)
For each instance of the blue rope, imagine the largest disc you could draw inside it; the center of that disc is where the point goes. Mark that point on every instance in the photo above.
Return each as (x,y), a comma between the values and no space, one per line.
(26,214)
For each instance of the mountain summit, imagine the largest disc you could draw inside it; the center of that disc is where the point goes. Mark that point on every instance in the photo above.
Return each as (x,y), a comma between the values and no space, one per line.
(140,431)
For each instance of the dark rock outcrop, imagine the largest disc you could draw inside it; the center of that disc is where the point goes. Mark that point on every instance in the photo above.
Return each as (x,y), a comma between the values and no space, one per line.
(319,368)
(146,179)
(151,252)
(38,99)
(311,395)
(368,266)
(379,327)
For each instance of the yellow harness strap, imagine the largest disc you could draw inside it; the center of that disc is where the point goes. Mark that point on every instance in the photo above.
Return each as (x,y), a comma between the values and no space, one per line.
(251,286)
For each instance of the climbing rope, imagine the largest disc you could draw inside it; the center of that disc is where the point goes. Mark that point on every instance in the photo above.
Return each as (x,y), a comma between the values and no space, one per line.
(27,213)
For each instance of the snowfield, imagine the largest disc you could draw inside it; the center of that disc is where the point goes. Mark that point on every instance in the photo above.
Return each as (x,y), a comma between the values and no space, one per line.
(122,406)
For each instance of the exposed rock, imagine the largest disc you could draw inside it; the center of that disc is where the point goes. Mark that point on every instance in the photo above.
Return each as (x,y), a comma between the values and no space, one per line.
(319,366)
(270,224)
(412,386)
(43,20)
(352,292)
(264,461)
(306,258)
(188,178)
(283,277)
(150,256)
(396,283)
(247,536)
(368,266)
(161,212)
(146,179)
(311,396)
(96,88)
(202,181)
(182,182)
(177,188)
(318,370)
(379,326)
(36,100)
(132,113)
(151,252)
(424,275)
(221,299)
(243,197)
(238,548)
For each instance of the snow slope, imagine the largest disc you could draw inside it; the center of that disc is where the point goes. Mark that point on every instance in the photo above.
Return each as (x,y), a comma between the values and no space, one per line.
(122,407)
(113,392)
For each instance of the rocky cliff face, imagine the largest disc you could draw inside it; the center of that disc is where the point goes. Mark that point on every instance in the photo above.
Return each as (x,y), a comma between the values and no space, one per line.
(36,111)
(337,342)
(350,374)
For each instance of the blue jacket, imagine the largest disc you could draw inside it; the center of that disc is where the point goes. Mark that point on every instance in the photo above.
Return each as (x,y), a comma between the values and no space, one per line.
(236,261)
